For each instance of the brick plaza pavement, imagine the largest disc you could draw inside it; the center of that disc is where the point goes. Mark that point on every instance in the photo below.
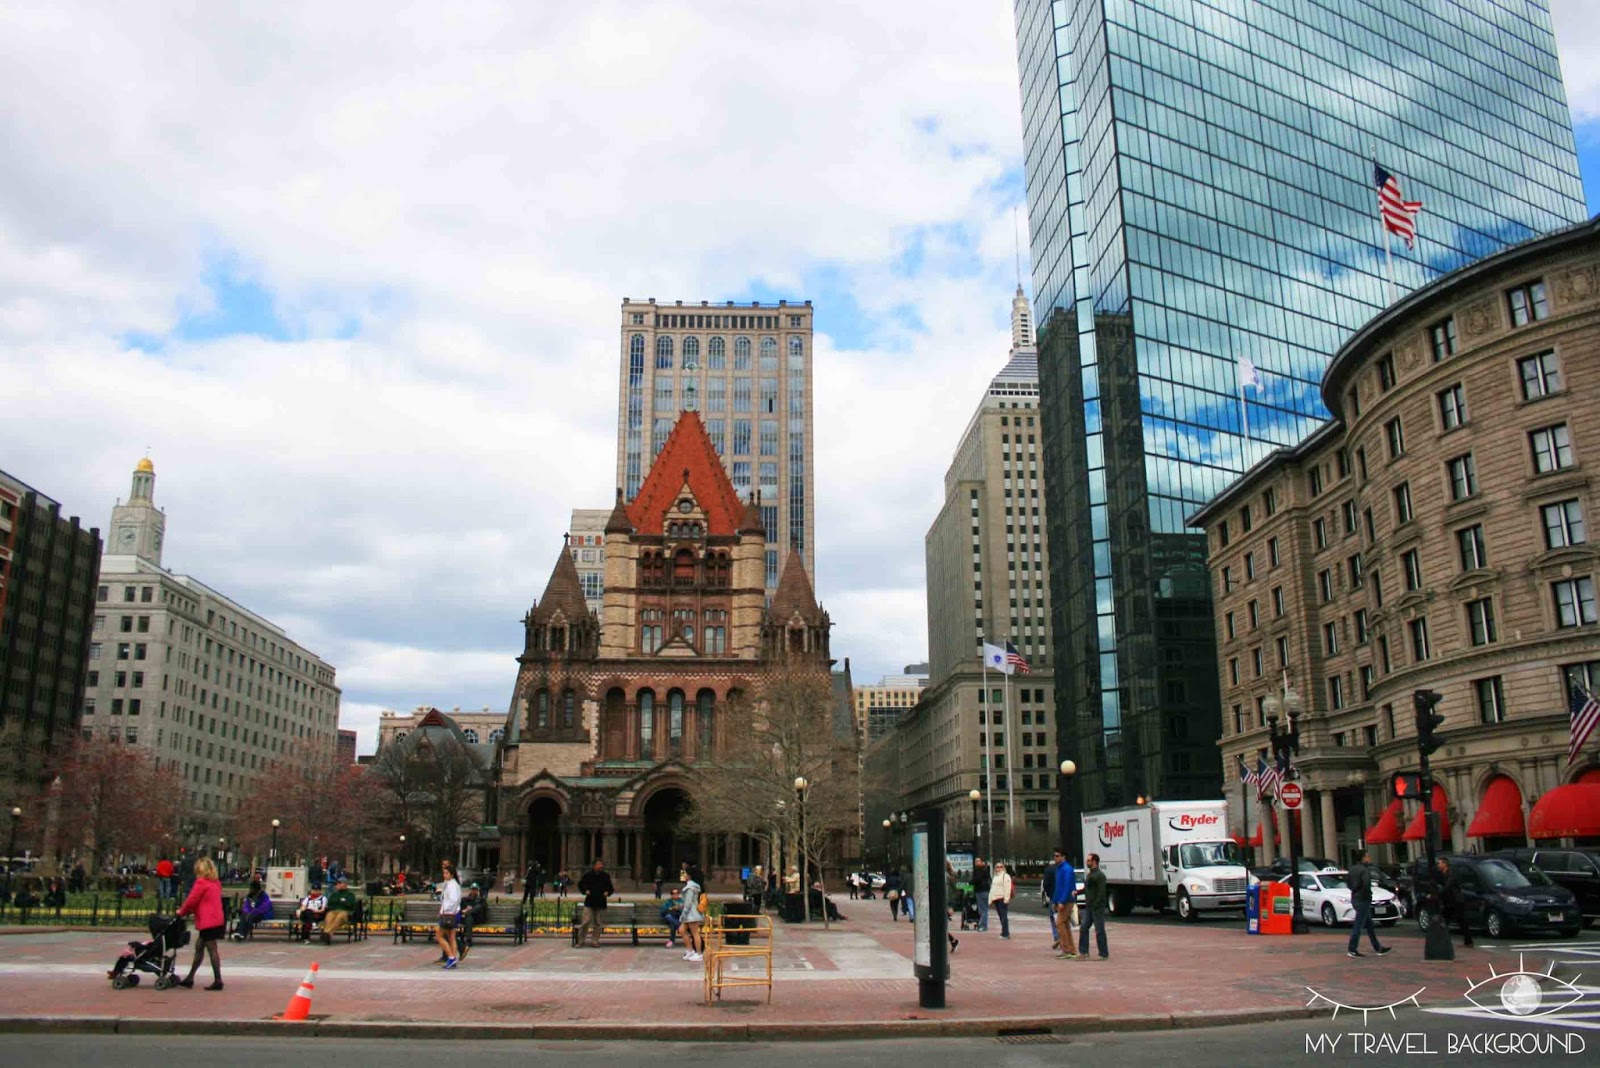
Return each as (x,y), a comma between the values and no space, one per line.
(857,975)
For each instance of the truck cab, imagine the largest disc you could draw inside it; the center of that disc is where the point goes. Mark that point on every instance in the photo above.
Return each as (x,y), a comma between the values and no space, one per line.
(1204,877)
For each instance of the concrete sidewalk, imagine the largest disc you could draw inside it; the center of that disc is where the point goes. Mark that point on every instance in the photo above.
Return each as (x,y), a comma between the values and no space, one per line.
(851,981)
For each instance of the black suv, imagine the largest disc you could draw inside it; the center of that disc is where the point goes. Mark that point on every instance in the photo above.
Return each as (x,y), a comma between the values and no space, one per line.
(1576,869)
(1500,899)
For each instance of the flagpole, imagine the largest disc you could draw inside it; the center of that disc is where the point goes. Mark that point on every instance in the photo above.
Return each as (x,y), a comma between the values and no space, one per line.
(1011,771)
(1244,413)
(988,751)
(1244,804)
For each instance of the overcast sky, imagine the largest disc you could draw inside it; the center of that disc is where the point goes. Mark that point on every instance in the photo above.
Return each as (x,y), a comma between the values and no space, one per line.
(352,275)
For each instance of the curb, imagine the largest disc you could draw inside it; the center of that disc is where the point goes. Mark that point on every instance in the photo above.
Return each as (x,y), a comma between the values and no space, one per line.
(775,1031)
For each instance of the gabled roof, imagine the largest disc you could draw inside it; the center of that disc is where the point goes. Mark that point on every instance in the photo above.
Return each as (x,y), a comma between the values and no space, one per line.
(564,591)
(794,595)
(687,458)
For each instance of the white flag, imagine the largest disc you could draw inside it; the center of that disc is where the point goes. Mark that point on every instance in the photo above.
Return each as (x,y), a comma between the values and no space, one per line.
(994,658)
(1248,376)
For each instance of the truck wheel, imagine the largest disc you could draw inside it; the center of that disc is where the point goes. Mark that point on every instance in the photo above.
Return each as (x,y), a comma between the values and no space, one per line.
(1186,907)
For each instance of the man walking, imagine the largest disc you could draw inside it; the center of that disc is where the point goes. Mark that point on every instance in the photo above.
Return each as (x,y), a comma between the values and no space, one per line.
(1097,900)
(596,888)
(1061,902)
(982,880)
(1047,890)
(532,882)
(1452,907)
(1360,880)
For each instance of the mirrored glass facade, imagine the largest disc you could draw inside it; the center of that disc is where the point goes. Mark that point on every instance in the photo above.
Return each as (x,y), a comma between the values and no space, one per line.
(1199,181)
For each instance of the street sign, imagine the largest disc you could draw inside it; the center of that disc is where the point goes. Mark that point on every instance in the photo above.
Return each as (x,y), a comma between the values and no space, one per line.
(1290,794)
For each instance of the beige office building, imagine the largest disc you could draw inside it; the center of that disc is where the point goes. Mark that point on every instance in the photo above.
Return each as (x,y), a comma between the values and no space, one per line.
(747,369)
(477,728)
(587,542)
(986,568)
(879,707)
(1433,536)
(215,691)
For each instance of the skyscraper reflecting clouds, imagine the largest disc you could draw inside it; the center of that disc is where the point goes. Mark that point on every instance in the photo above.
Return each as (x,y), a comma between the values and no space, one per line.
(1200,190)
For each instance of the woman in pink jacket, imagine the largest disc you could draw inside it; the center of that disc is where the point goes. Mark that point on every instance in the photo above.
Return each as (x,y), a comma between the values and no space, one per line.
(204,903)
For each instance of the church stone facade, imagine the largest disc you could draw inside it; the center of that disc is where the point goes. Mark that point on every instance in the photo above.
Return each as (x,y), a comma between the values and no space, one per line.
(610,712)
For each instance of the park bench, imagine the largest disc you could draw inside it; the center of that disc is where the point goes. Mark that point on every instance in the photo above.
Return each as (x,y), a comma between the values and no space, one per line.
(285,920)
(622,920)
(416,918)
(505,920)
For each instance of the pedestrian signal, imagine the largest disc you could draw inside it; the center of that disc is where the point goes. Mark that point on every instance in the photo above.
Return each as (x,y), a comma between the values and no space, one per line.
(1405,785)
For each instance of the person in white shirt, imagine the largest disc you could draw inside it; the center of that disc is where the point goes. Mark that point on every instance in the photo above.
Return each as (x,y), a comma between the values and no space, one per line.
(449,907)
(312,909)
(1001,891)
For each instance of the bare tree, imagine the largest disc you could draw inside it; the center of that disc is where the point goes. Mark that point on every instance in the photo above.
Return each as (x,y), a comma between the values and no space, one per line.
(785,734)
(310,793)
(113,798)
(435,783)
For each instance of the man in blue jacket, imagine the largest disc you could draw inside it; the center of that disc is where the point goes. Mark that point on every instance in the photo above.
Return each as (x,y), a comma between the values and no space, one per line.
(1064,890)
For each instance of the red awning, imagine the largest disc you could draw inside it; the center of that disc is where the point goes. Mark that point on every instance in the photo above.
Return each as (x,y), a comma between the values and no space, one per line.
(1418,830)
(1387,830)
(1571,811)
(1500,813)
(1590,776)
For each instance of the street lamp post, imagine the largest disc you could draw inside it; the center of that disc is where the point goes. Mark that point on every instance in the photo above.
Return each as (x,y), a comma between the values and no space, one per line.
(11,850)
(1068,833)
(1285,744)
(272,857)
(888,842)
(402,858)
(975,795)
(800,785)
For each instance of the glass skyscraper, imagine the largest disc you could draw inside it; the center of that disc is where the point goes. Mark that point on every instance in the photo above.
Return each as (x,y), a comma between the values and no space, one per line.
(1200,190)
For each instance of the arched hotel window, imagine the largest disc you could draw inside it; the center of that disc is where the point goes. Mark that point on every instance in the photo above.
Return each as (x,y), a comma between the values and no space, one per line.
(741,354)
(797,354)
(691,354)
(663,353)
(769,354)
(636,360)
(470,735)
(716,354)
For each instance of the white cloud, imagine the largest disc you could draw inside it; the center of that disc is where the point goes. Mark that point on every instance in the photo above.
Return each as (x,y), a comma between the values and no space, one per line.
(1577,24)
(474,189)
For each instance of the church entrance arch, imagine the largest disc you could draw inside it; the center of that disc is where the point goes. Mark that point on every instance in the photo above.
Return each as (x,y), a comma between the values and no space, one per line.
(544,835)
(666,843)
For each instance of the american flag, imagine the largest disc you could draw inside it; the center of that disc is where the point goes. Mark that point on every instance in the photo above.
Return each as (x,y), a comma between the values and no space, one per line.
(1014,659)
(1267,777)
(1246,776)
(1399,214)
(1585,716)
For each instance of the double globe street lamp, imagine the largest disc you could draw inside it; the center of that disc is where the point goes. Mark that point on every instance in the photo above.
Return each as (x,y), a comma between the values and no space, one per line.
(800,786)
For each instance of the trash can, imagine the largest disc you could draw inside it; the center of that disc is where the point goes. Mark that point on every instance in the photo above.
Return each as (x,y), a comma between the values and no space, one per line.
(793,909)
(1252,908)
(738,920)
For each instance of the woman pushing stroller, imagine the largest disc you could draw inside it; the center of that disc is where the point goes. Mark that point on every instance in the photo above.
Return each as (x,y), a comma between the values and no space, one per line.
(204,903)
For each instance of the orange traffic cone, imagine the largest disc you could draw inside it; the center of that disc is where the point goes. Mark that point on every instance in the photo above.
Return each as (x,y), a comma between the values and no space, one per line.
(300,1005)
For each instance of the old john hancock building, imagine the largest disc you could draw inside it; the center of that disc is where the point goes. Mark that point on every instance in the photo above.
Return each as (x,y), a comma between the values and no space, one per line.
(608,713)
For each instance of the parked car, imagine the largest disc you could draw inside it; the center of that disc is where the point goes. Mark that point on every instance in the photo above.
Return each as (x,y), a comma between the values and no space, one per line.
(1280,865)
(1325,896)
(1499,899)
(1576,869)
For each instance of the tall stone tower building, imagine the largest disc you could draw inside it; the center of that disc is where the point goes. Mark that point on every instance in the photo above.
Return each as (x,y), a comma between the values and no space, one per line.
(748,370)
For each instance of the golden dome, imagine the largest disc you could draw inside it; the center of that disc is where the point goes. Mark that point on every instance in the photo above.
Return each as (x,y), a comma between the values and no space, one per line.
(145,467)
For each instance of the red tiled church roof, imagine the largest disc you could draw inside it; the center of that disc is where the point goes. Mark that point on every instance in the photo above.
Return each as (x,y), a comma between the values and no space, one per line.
(687,458)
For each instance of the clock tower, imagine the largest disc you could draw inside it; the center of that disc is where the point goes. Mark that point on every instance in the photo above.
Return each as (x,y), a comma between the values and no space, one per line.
(138,527)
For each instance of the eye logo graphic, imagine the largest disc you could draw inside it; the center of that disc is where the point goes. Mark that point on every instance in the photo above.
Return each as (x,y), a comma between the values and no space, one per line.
(1522,994)
(1364,1010)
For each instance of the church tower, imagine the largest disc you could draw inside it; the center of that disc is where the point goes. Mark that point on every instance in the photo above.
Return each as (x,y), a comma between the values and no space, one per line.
(138,527)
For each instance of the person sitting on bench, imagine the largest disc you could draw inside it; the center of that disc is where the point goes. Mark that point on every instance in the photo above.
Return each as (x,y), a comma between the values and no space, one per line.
(312,911)
(341,906)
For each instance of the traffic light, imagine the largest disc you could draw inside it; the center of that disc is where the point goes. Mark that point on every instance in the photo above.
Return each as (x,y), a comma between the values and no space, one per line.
(1406,785)
(1428,720)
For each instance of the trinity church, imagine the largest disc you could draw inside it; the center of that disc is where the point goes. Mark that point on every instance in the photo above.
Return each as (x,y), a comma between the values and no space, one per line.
(608,712)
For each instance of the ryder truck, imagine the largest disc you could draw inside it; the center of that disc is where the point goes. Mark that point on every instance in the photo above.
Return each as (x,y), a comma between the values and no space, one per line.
(1167,854)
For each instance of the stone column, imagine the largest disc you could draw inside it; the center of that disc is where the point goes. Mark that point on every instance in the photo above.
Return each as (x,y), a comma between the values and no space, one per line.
(609,851)
(1330,830)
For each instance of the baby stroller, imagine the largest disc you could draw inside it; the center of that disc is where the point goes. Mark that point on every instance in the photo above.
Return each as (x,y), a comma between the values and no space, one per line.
(159,956)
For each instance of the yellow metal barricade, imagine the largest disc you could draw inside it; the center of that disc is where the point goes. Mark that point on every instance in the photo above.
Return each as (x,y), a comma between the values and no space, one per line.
(718,954)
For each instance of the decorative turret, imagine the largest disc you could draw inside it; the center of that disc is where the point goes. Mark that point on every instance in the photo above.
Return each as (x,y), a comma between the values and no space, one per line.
(560,623)
(795,624)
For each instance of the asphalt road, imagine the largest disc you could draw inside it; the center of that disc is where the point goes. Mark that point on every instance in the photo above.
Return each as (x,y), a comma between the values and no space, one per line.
(1387,1042)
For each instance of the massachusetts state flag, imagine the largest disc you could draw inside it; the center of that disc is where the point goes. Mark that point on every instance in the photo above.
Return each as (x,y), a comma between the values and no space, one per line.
(1399,214)
(995,659)
(1585,712)
(1248,375)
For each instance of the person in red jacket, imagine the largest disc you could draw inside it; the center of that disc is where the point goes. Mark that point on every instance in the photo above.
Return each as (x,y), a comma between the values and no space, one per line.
(204,903)
(164,872)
